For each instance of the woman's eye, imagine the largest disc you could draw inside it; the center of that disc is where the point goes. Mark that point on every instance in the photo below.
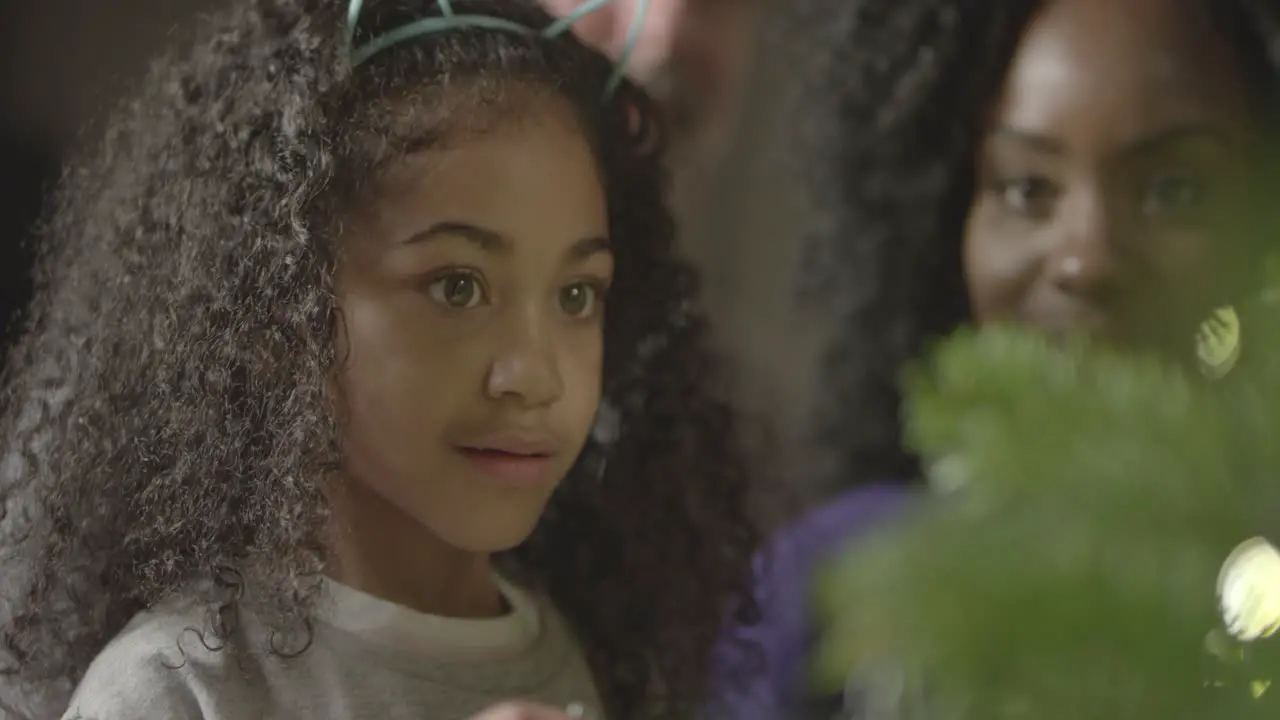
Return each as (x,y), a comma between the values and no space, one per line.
(1029,195)
(579,300)
(1172,193)
(457,290)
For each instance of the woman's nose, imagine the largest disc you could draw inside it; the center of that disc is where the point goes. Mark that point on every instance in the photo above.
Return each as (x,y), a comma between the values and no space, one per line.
(1086,261)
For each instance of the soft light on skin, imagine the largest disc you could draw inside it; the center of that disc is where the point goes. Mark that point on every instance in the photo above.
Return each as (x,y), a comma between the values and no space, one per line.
(470,290)
(1111,181)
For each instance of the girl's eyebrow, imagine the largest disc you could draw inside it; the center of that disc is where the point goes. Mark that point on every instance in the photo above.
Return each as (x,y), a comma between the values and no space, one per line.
(495,242)
(588,247)
(490,240)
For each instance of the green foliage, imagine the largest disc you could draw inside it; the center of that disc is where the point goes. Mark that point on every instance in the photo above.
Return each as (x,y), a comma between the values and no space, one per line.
(1073,574)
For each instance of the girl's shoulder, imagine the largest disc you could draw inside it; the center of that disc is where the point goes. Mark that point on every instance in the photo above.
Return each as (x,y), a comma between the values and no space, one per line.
(160,665)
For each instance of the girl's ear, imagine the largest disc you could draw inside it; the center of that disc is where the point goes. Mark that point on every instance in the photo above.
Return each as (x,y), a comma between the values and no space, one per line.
(606,29)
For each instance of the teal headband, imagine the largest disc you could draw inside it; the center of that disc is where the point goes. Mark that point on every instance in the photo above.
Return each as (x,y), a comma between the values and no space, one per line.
(448,20)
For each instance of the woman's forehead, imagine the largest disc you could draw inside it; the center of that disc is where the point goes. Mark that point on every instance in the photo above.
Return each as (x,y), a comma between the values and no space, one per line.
(1136,63)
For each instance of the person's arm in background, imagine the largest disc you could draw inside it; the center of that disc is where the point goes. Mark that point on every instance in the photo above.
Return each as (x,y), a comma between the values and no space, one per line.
(761,670)
(607,29)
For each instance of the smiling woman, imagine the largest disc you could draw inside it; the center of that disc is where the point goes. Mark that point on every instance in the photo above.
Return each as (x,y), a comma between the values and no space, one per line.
(1115,178)
(1078,168)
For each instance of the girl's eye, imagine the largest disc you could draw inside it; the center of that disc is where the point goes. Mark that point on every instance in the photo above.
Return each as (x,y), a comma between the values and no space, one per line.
(457,290)
(579,300)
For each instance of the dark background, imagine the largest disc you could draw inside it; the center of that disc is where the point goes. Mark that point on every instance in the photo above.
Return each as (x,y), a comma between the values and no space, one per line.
(61,63)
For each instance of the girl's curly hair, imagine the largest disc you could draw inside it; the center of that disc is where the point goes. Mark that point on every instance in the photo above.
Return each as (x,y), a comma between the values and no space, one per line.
(167,414)
(892,119)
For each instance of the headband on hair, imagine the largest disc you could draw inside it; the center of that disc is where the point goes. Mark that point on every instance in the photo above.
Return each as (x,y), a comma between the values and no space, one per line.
(449,20)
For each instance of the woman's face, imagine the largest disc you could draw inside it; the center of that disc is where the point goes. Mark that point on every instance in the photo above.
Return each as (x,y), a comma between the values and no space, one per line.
(1115,162)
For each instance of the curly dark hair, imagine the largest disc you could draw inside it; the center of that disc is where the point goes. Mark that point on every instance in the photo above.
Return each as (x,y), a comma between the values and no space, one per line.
(892,120)
(166,413)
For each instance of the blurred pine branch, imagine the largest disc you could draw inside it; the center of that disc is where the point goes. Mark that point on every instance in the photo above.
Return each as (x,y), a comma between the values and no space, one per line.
(1073,573)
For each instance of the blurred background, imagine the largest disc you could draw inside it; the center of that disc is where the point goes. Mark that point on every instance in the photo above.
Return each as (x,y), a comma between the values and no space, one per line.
(63,62)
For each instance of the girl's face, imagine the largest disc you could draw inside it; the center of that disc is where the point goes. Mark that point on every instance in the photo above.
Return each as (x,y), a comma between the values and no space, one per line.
(1116,158)
(472,304)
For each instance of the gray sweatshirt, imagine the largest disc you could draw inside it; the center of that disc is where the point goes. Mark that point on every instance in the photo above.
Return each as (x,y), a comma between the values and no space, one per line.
(368,660)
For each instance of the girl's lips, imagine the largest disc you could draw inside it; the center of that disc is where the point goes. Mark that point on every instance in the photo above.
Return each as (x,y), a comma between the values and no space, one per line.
(511,442)
(512,468)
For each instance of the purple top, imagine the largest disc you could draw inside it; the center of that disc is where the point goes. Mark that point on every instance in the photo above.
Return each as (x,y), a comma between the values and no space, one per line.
(774,688)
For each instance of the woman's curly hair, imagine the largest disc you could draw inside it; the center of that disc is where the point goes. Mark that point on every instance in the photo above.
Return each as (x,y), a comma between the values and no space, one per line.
(167,415)
(892,118)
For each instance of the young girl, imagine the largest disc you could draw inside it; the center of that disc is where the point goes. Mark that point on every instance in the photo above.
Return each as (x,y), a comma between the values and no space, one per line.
(1075,166)
(362,381)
